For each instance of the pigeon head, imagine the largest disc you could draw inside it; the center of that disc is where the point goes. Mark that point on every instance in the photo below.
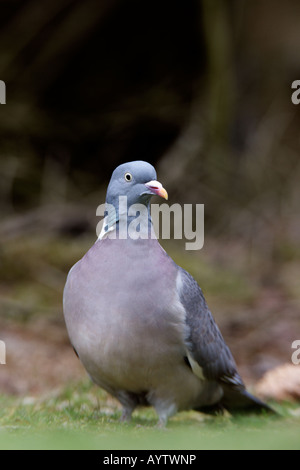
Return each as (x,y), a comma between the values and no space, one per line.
(135,180)
(131,184)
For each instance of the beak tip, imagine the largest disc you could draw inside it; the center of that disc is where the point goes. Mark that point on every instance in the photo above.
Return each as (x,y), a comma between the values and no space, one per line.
(163,193)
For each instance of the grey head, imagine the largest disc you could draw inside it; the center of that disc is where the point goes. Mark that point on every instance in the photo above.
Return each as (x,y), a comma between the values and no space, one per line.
(130,184)
(137,181)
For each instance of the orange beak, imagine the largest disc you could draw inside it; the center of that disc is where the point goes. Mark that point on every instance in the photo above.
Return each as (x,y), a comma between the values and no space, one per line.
(157,188)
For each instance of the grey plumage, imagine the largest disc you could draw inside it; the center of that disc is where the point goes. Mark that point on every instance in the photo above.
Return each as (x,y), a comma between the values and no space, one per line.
(140,324)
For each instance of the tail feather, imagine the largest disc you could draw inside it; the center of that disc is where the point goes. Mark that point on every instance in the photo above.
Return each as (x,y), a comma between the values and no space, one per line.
(237,400)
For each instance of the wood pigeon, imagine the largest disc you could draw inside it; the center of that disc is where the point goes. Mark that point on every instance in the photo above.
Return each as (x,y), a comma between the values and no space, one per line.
(139,323)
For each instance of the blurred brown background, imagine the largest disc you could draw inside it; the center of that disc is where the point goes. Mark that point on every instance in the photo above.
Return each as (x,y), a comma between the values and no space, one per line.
(200,89)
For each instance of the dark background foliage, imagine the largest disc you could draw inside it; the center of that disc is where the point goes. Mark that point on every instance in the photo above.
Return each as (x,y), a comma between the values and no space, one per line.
(202,90)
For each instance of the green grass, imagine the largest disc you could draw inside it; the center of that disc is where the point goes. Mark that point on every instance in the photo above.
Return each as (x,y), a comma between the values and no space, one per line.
(84,417)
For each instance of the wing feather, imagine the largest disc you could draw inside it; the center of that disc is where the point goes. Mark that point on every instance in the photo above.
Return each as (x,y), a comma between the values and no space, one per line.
(205,342)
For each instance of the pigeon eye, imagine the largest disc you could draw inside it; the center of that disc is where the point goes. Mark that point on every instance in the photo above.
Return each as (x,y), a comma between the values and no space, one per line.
(128,176)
